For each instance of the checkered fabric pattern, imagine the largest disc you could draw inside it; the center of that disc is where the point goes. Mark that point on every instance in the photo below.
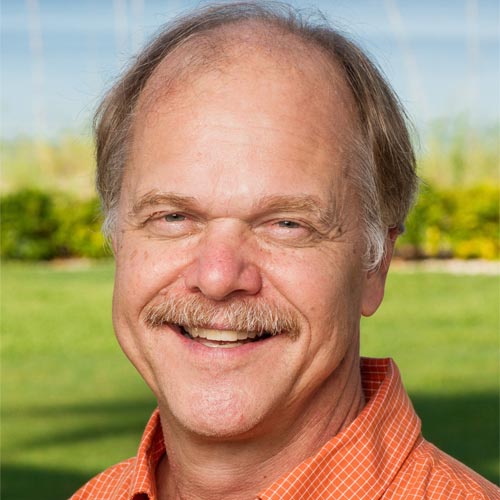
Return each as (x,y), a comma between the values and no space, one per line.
(381,455)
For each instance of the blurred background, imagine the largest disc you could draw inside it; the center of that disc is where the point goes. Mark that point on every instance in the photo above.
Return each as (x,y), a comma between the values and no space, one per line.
(71,404)
(58,57)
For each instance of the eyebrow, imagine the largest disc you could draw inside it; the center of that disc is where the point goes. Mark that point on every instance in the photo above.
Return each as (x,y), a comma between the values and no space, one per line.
(154,198)
(271,203)
(298,203)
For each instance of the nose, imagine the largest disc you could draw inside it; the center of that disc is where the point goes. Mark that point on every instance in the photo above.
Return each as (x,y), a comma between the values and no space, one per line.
(222,266)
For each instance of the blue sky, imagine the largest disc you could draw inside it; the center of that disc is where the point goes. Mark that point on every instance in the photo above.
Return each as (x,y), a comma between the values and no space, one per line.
(58,56)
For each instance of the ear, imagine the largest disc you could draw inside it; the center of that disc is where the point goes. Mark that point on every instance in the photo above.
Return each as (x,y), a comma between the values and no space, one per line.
(373,292)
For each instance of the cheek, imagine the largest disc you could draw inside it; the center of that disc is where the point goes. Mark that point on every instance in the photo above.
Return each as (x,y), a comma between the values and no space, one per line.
(143,268)
(324,286)
(133,275)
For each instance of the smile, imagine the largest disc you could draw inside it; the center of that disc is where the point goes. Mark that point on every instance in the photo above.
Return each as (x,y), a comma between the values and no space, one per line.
(221,338)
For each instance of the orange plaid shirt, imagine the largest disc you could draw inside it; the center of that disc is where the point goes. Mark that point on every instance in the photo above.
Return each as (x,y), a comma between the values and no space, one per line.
(381,455)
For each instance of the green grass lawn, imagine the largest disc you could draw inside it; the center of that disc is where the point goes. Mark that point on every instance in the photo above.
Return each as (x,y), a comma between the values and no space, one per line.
(72,404)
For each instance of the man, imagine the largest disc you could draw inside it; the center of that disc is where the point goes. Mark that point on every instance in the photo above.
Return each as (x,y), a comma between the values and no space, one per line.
(255,171)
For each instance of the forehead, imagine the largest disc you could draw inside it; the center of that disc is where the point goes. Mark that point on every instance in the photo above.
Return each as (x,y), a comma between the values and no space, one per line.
(252,118)
(251,53)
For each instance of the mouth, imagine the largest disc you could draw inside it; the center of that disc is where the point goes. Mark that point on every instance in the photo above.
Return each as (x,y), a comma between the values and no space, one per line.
(221,338)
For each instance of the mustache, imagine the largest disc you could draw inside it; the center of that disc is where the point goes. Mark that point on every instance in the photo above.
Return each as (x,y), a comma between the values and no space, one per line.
(236,314)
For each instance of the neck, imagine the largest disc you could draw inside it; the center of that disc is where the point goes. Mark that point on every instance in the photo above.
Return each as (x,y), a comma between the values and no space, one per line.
(199,468)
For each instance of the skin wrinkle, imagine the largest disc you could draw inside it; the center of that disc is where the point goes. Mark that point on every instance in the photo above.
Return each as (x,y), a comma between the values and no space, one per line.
(216,52)
(288,37)
(241,473)
(212,412)
(157,201)
(248,124)
(240,479)
(337,210)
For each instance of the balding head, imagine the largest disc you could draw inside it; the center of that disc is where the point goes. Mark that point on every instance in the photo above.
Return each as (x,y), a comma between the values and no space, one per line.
(382,170)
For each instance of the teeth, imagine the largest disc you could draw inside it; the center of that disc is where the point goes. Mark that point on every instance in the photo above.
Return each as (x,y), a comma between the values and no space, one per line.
(220,335)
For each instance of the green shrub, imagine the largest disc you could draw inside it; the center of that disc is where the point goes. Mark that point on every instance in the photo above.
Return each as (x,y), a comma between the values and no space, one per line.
(79,231)
(445,222)
(38,225)
(28,225)
(453,222)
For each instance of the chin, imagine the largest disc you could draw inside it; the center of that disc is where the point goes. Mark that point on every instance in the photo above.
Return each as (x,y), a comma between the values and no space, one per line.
(215,414)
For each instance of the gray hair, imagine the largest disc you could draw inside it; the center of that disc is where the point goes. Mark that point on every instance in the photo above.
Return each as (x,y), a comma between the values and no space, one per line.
(384,178)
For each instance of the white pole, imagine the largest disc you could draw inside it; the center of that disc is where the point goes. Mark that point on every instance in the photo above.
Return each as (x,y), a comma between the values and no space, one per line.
(37,64)
(472,20)
(121,30)
(412,71)
(138,28)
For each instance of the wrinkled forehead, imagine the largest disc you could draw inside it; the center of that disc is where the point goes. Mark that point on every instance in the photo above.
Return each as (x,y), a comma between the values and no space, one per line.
(252,52)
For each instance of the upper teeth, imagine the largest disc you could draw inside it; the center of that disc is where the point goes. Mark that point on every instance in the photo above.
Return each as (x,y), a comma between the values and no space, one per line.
(220,335)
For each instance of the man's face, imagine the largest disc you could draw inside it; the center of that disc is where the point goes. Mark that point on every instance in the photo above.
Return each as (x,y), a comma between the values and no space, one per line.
(235,198)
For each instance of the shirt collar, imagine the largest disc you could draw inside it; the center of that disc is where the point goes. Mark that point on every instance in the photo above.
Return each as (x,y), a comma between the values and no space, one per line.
(151,449)
(359,462)
(362,460)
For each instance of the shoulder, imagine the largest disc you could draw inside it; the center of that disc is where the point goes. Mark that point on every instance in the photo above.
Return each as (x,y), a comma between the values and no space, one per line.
(114,483)
(431,474)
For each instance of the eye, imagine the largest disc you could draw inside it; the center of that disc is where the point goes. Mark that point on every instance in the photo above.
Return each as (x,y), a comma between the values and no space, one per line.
(171,224)
(174,217)
(287,231)
(288,224)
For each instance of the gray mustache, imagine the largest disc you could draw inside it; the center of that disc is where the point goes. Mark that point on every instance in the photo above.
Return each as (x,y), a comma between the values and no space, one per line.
(237,314)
